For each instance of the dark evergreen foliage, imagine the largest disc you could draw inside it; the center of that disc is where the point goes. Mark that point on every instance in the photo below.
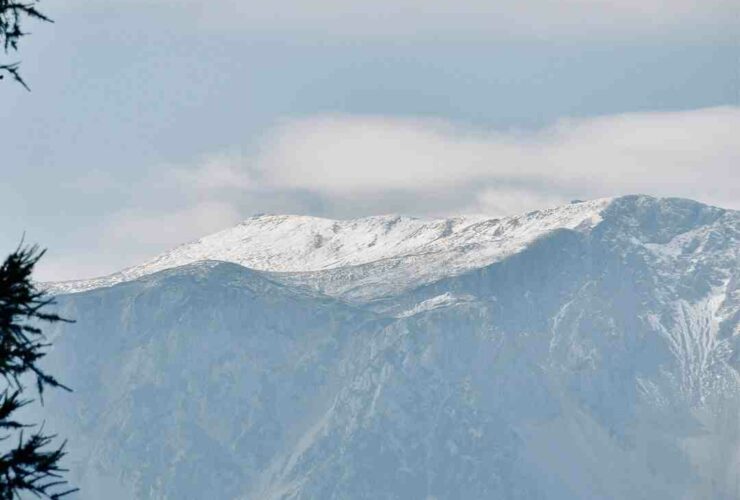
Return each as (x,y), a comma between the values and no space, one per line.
(12,15)
(28,464)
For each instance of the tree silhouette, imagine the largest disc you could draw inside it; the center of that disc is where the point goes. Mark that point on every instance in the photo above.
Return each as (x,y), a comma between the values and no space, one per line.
(12,15)
(27,462)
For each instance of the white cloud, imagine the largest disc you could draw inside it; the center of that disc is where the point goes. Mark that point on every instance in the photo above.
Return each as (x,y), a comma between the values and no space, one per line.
(361,155)
(349,165)
(693,154)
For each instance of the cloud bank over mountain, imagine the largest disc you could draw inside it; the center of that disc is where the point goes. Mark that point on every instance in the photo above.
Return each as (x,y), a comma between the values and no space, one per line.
(439,167)
(348,166)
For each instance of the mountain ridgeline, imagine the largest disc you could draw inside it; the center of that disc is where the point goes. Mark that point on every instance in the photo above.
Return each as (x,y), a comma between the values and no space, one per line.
(587,351)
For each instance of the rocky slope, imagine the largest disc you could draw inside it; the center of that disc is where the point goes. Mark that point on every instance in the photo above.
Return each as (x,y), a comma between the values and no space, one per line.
(588,351)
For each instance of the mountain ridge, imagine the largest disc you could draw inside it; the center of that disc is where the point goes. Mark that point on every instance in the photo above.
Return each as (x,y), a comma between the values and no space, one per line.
(596,361)
(299,243)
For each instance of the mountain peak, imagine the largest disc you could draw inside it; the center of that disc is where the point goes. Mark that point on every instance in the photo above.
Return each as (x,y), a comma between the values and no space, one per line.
(390,252)
(303,243)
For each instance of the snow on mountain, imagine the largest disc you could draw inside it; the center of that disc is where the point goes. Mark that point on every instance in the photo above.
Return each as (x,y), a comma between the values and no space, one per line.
(588,351)
(427,249)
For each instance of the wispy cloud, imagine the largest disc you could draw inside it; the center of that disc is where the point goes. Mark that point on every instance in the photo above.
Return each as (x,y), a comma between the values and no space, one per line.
(442,167)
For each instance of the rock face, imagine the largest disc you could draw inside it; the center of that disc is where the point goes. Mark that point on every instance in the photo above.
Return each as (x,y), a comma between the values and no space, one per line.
(589,351)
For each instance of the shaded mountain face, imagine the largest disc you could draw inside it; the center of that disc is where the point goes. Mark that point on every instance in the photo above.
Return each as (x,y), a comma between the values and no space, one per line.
(589,351)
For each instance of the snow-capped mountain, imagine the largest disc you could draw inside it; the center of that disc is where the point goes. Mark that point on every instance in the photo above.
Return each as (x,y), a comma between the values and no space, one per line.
(409,250)
(587,351)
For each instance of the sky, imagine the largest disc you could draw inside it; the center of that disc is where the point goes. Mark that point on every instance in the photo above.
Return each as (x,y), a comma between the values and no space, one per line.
(154,122)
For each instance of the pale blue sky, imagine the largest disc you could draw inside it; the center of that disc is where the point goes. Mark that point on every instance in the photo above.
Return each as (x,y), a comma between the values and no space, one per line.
(129,105)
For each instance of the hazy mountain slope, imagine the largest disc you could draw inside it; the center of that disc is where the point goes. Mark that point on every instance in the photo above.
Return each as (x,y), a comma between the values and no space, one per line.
(598,360)
(185,381)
